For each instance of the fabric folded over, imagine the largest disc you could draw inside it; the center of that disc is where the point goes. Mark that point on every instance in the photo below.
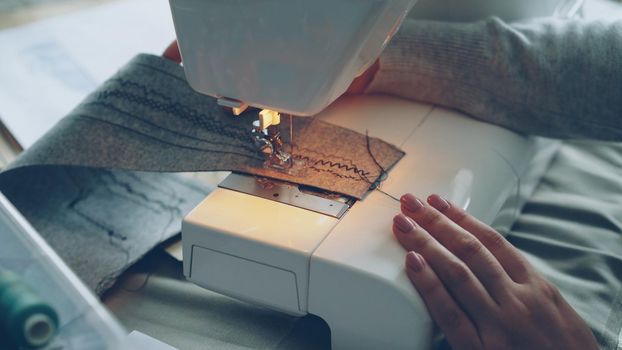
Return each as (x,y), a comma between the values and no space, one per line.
(148,118)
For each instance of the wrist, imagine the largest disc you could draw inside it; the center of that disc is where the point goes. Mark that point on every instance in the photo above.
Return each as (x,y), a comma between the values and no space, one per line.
(362,82)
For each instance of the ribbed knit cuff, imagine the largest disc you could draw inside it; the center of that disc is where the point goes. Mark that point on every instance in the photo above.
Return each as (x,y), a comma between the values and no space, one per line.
(426,58)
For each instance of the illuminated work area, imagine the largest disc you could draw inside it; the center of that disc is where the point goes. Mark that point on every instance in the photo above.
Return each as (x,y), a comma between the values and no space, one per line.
(291,174)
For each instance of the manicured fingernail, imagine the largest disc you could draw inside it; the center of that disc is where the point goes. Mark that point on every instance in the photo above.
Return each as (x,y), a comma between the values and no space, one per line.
(402,222)
(438,202)
(414,261)
(411,202)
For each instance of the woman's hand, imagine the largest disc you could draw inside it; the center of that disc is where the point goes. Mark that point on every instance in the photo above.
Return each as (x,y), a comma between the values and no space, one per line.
(172,52)
(478,288)
(360,83)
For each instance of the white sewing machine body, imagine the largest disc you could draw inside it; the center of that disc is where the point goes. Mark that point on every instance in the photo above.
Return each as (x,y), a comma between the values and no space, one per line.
(349,271)
(292,56)
(319,256)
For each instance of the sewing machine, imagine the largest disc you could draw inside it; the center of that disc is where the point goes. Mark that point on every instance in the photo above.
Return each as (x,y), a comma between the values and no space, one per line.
(301,253)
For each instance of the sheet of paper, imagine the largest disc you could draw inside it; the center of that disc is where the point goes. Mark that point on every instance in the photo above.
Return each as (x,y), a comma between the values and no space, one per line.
(48,67)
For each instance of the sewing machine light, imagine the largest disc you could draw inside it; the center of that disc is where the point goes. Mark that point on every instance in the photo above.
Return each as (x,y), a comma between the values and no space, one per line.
(268,118)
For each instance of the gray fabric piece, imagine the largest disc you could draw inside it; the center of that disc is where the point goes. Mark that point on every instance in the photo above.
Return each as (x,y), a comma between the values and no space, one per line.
(101,221)
(148,118)
(571,231)
(554,78)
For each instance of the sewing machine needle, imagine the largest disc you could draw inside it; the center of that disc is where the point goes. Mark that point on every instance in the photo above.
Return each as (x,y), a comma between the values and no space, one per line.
(291,133)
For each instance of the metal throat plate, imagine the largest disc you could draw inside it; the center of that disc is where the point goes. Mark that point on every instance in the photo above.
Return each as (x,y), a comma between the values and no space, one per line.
(284,193)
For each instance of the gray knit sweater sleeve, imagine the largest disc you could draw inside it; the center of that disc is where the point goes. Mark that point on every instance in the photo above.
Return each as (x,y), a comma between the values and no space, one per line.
(553,78)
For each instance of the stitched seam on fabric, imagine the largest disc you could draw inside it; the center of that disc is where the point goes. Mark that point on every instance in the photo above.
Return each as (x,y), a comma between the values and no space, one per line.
(324,155)
(173,110)
(150,67)
(176,133)
(160,140)
(329,163)
(315,162)
(169,106)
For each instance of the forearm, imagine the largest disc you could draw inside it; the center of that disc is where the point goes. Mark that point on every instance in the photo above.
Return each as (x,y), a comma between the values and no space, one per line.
(546,77)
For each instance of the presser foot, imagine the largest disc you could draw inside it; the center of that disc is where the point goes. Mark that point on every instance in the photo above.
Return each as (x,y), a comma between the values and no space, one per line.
(267,138)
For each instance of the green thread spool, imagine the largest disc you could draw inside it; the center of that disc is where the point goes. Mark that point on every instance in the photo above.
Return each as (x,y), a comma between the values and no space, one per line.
(25,319)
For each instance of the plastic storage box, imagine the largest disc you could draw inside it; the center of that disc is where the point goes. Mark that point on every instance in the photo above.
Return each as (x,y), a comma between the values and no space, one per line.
(84,323)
